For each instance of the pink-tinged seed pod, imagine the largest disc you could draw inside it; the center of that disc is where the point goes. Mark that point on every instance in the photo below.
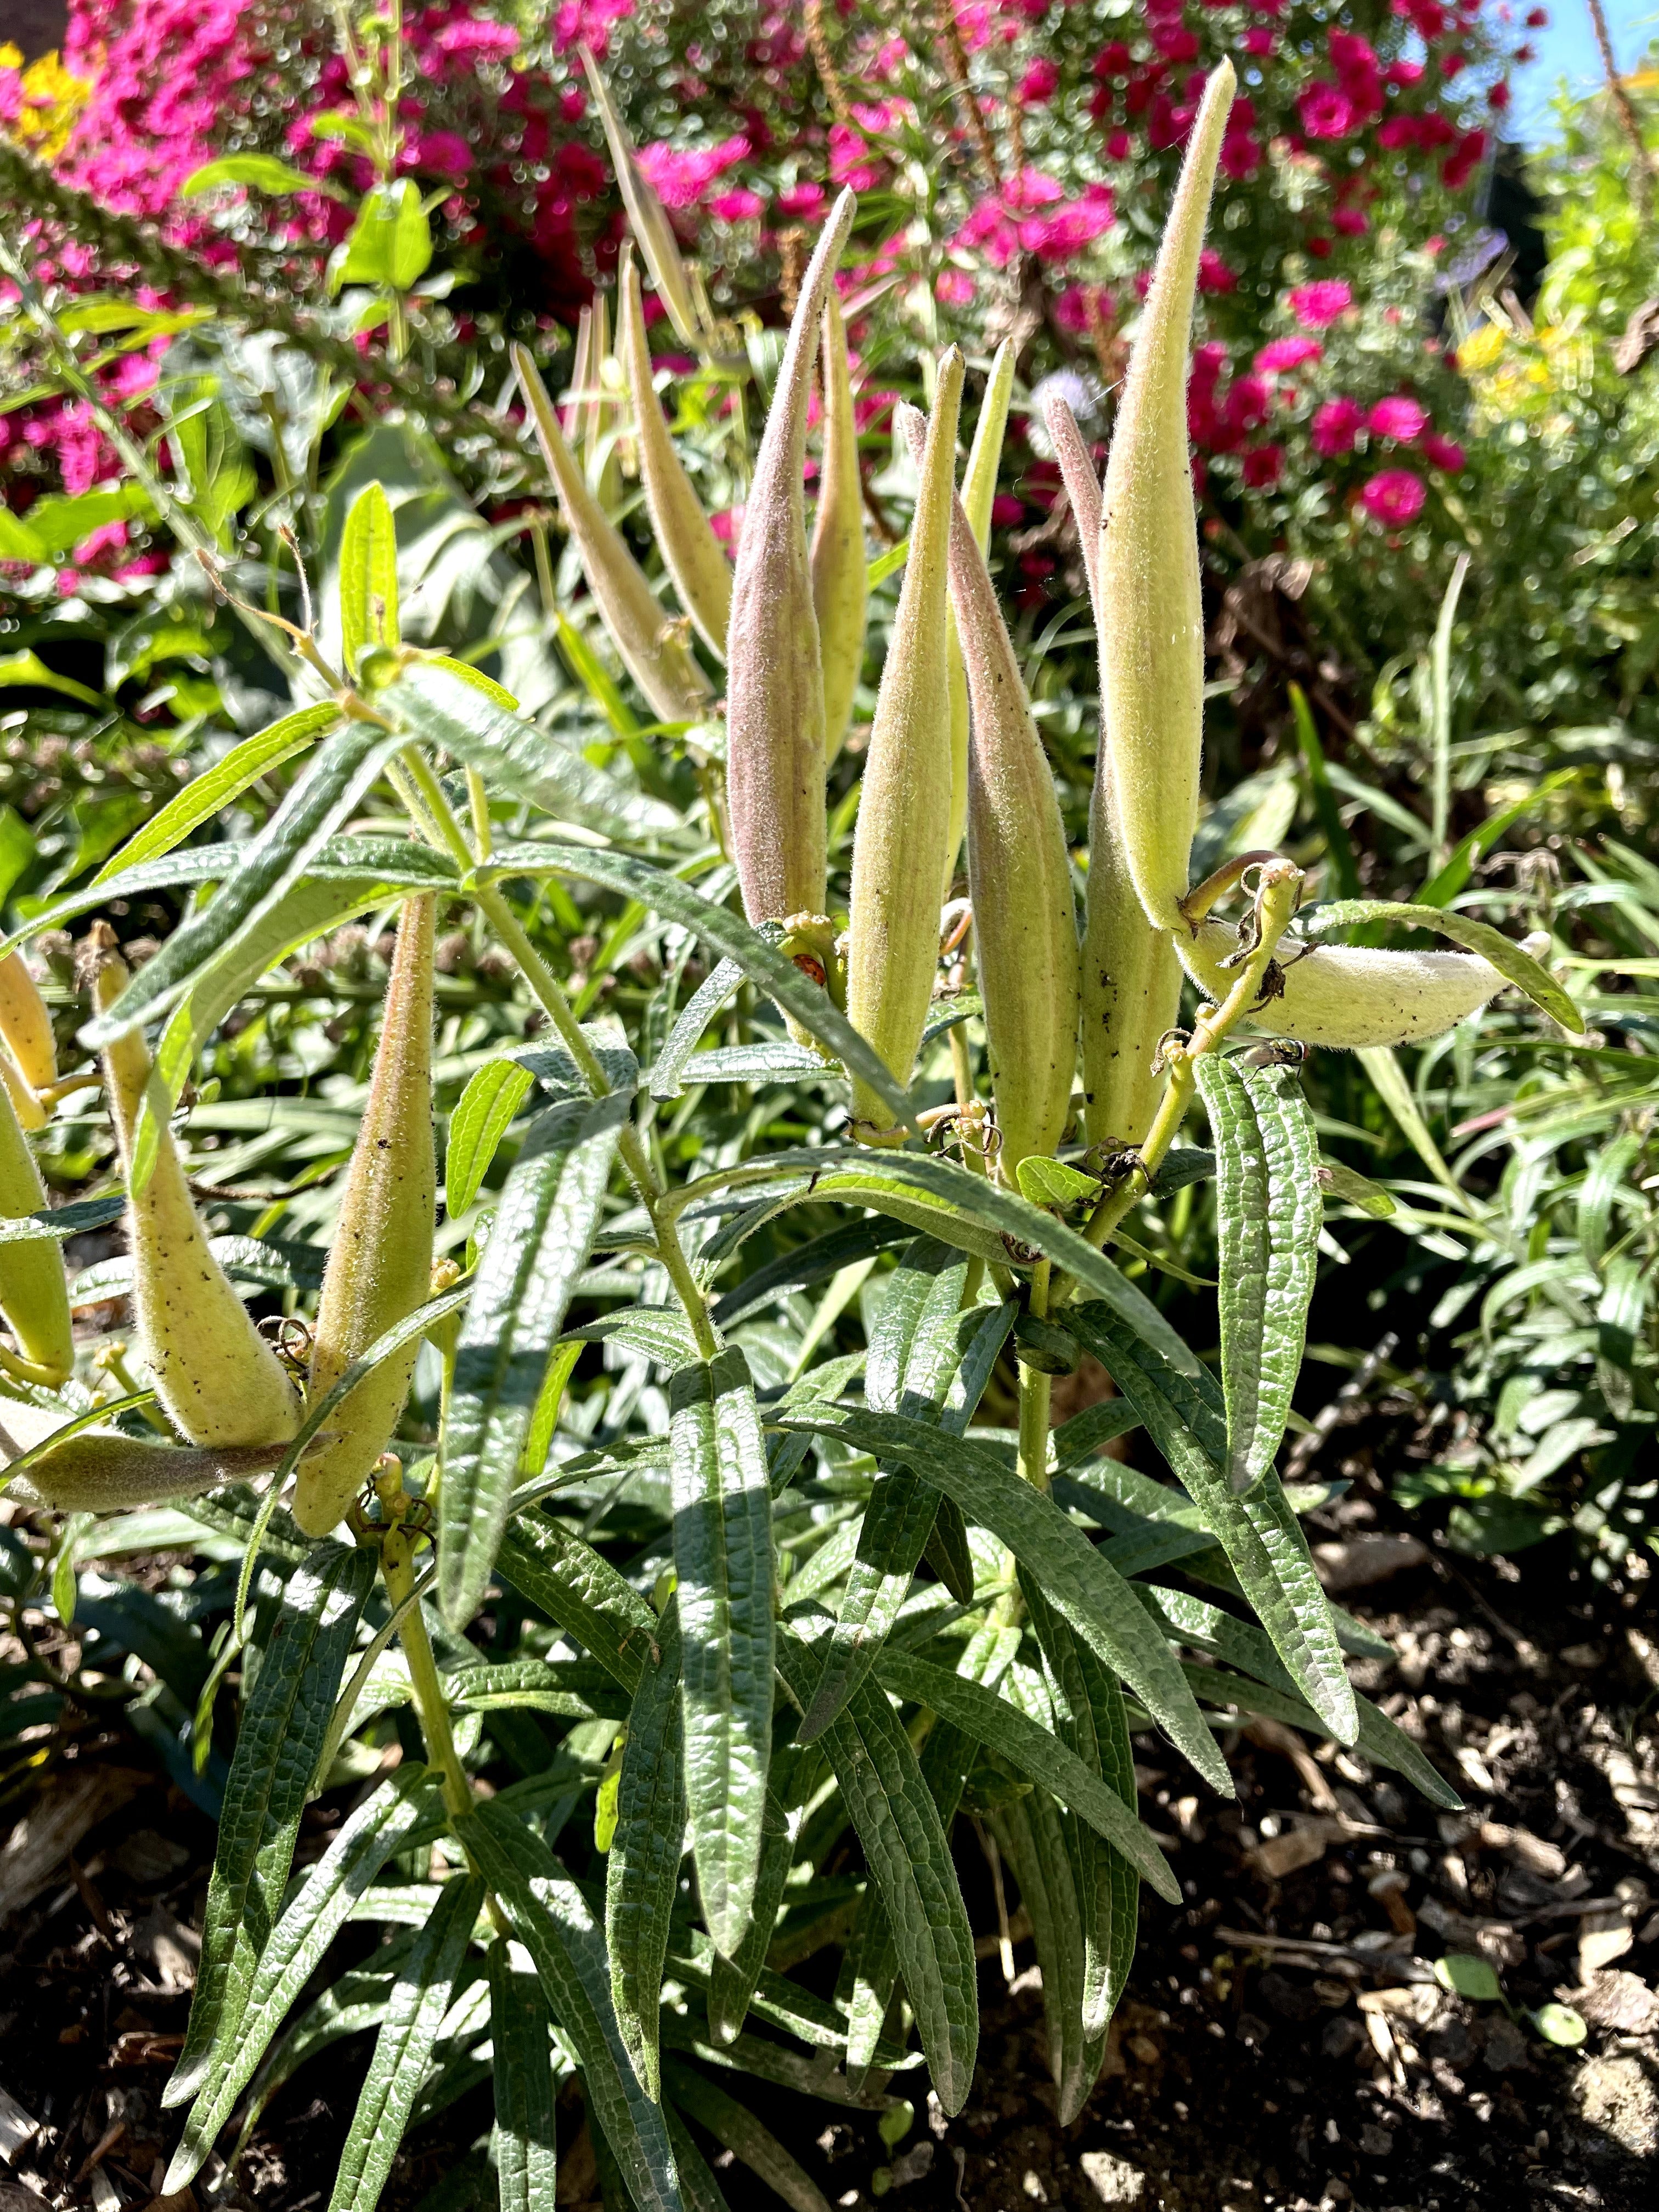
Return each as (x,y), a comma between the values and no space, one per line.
(26,1026)
(1349,996)
(646,214)
(979,489)
(1152,612)
(1130,971)
(904,809)
(379,1266)
(774,675)
(33,1292)
(693,556)
(1019,875)
(218,1379)
(839,589)
(654,648)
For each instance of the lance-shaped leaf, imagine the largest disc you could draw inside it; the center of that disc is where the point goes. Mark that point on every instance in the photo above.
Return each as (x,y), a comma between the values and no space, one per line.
(908,1854)
(774,675)
(1030,1834)
(723,1558)
(1019,872)
(526,2142)
(221,785)
(736,2130)
(415,2009)
(334,786)
(391,1818)
(1079,1583)
(484,1114)
(643,1866)
(368,576)
(282,1729)
(1185,1419)
(646,213)
(551,1918)
(1152,609)
(551,1565)
(979,486)
(539,1244)
(733,1981)
(904,812)
(840,578)
(721,985)
(654,651)
(1270,1212)
(691,553)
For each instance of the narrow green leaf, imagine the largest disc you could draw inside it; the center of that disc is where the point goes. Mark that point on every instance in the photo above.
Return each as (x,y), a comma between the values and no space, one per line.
(807,1265)
(390,245)
(526,2164)
(551,1566)
(542,1232)
(386,1822)
(730,936)
(550,1918)
(736,2130)
(722,1504)
(415,2010)
(721,985)
(643,1870)
(733,1981)
(1270,1214)
(482,1113)
(368,576)
(1607,1177)
(698,2187)
(1082,1585)
(220,786)
(333,787)
(263,171)
(283,1730)
(908,1854)
(439,707)
(1030,1834)
(1517,967)
(1355,1189)
(1339,846)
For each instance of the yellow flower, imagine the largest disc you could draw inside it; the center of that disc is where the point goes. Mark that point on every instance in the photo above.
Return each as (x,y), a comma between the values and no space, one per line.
(50,98)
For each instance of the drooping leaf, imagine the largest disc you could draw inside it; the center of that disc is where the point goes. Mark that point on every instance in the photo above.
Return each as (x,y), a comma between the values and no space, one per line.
(733,1981)
(738,2130)
(718,986)
(220,786)
(722,1503)
(416,2006)
(1270,1216)
(389,244)
(483,1115)
(1030,1834)
(526,2149)
(543,1228)
(283,1730)
(643,1866)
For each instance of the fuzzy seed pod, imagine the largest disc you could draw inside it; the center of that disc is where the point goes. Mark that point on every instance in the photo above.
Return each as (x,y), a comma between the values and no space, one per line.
(693,556)
(33,1294)
(979,487)
(646,214)
(840,591)
(904,812)
(653,649)
(774,675)
(1348,996)
(101,1471)
(1152,612)
(1019,874)
(218,1379)
(1131,972)
(25,1024)
(379,1268)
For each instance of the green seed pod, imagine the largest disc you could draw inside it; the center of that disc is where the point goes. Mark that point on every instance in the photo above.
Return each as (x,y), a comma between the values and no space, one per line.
(693,556)
(218,1379)
(979,488)
(646,213)
(1130,971)
(904,811)
(774,675)
(654,648)
(33,1294)
(25,1024)
(1019,873)
(1152,611)
(31,1113)
(840,591)
(101,1471)
(1348,996)
(379,1268)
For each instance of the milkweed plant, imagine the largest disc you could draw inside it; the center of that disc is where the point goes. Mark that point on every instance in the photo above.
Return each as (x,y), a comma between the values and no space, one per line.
(791,1615)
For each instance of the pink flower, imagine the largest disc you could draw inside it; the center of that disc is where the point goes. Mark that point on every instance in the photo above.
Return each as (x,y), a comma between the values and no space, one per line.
(682,176)
(1443,453)
(1336,425)
(1352,222)
(954,287)
(1537,19)
(445,152)
(1318,305)
(1007,510)
(1326,111)
(1249,403)
(109,538)
(739,206)
(1282,354)
(1039,83)
(1260,40)
(1393,497)
(801,199)
(1118,145)
(725,524)
(1400,418)
(1498,98)
(1214,274)
(1263,466)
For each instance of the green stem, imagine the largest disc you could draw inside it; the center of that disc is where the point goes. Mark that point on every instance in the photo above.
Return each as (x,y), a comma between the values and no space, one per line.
(431,1707)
